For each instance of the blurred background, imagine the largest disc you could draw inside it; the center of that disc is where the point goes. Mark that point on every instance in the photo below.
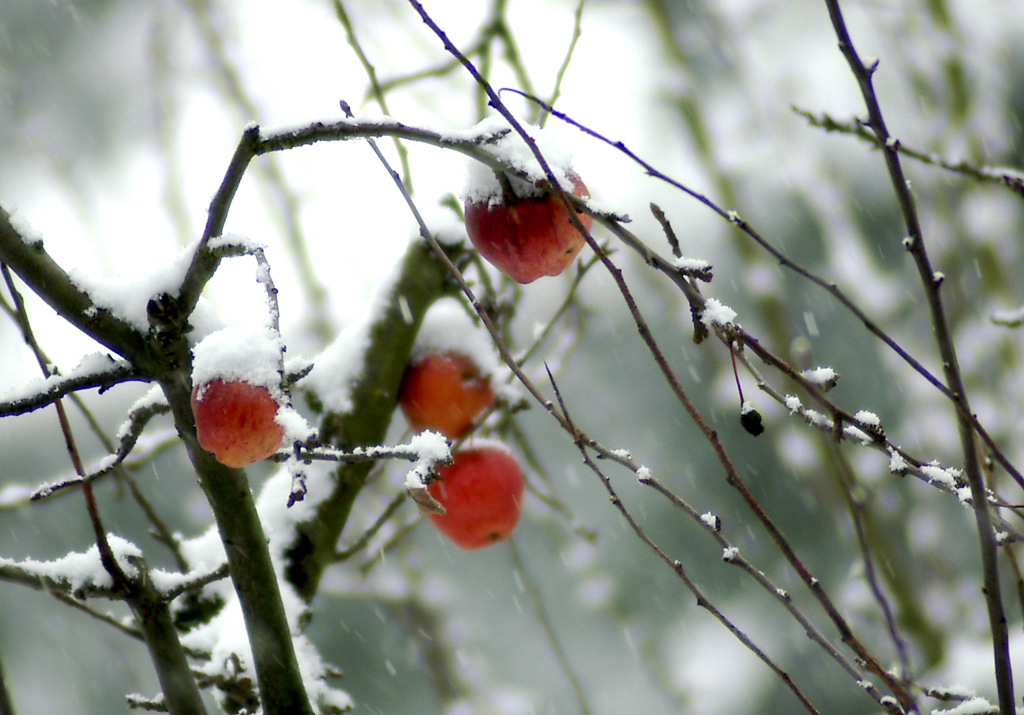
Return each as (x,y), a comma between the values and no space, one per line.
(117,122)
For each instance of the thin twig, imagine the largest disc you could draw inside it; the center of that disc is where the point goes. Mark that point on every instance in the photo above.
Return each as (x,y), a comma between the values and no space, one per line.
(876,439)
(391,543)
(109,620)
(363,540)
(915,245)
(375,87)
(137,422)
(570,300)
(107,559)
(855,505)
(1010,178)
(577,32)
(676,566)
(712,525)
(549,630)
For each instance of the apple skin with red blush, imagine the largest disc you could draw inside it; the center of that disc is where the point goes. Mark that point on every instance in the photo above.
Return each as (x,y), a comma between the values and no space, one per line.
(444,392)
(527,238)
(235,421)
(481,491)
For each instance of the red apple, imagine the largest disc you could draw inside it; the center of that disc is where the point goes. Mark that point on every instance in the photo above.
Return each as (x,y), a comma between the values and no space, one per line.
(444,392)
(235,421)
(526,238)
(481,491)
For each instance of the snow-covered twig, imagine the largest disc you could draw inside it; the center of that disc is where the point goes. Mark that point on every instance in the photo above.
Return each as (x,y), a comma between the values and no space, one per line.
(846,425)
(197,582)
(55,387)
(130,432)
(360,543)
(408,452)
(861,429)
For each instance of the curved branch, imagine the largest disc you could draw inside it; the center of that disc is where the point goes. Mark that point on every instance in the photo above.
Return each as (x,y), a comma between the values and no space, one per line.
(203,262)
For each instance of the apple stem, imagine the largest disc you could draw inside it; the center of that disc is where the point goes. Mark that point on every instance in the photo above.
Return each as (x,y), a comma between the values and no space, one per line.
(506,188)
(735,372)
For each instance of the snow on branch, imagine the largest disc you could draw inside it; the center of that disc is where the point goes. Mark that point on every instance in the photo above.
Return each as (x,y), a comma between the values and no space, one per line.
(95,370)
(76,573)
(152,404)
(412,451)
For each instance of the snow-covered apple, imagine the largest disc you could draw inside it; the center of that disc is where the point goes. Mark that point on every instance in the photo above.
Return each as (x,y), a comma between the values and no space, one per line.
(444,392)
(526,234)
(235,421)
(481,491)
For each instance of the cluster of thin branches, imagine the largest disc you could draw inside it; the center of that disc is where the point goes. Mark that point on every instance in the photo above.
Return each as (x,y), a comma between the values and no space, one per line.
(895,690)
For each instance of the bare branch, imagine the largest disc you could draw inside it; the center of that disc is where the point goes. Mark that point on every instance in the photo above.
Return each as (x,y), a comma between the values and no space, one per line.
(712,526)
(362,541)
(677,567)
(1010,178)
(915,245)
